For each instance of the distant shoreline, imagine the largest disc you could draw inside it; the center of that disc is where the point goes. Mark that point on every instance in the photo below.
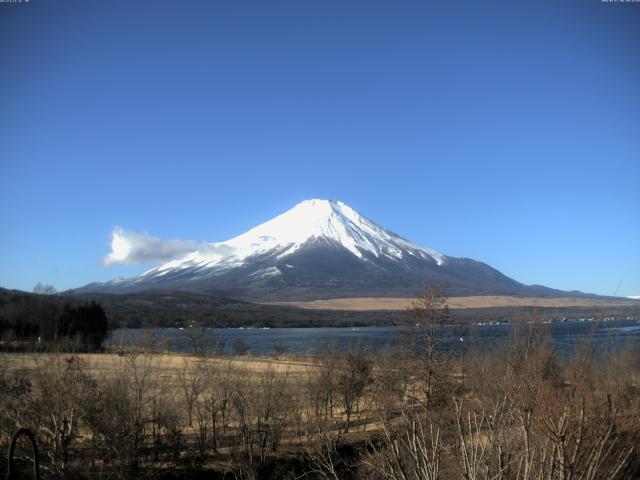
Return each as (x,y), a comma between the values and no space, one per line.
(490,301)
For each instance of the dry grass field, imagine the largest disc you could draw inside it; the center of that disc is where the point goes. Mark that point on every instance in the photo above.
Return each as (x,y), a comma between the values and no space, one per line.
(360,415)
(166,365)
(520,410)
(381,303)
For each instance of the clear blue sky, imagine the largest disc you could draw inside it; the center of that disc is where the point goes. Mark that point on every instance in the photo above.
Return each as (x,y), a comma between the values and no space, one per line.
(508,132)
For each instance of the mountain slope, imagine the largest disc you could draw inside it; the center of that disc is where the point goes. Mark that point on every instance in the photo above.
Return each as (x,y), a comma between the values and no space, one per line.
(321,249)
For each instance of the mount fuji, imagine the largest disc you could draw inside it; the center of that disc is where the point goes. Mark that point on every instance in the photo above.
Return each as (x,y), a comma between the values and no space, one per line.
(320,249)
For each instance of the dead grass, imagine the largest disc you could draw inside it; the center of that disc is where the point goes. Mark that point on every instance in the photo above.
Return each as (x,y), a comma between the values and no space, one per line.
(165,364)
(395,303)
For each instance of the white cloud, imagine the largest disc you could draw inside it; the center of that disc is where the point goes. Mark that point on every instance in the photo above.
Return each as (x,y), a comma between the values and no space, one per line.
(634,297)
(135,248)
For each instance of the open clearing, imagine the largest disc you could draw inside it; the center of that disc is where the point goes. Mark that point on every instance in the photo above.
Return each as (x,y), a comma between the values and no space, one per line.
(380,303)
(167,364)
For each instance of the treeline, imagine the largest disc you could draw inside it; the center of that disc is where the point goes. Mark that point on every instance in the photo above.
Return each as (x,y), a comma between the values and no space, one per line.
(31,321)
(182,309)
(153,309)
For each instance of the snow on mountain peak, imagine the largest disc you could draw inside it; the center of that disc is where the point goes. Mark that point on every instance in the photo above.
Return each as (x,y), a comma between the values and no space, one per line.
(310,220)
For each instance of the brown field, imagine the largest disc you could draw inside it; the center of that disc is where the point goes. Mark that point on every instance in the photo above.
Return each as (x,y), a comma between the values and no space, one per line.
(380,303)
(167,365)
(123,413)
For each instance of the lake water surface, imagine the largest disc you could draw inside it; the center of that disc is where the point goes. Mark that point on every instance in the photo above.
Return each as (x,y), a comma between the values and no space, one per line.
(605,335)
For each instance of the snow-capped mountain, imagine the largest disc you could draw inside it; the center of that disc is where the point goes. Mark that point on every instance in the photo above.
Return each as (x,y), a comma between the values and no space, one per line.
(310,221)
(320,249)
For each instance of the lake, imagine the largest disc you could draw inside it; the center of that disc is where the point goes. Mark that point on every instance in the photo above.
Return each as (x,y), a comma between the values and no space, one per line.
(605,335)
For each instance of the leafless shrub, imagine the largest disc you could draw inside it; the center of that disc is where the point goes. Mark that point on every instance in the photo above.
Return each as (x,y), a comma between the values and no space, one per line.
(272,402)
(15,390)
(201,342)
(240,347)
(325,462)
(392,374)
(280,348)
(528,413)
(121,412)
(410,449)
(321,386)
(216,394)
(190,380)
(535,416)
(426,313)
(354,375)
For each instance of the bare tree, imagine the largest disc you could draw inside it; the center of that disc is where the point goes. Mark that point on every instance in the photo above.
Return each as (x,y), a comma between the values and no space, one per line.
(60,386)
(426,313)
(217,397)
(354,376)
(321,386)
(201,341)
(190,379)
(323,456)
(280,348)
(409,449)
(271,409)
(121,409)
(240,347)
(43,289)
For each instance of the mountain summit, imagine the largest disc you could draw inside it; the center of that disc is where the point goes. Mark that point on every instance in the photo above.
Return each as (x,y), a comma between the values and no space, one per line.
(308,222)
(320,249)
